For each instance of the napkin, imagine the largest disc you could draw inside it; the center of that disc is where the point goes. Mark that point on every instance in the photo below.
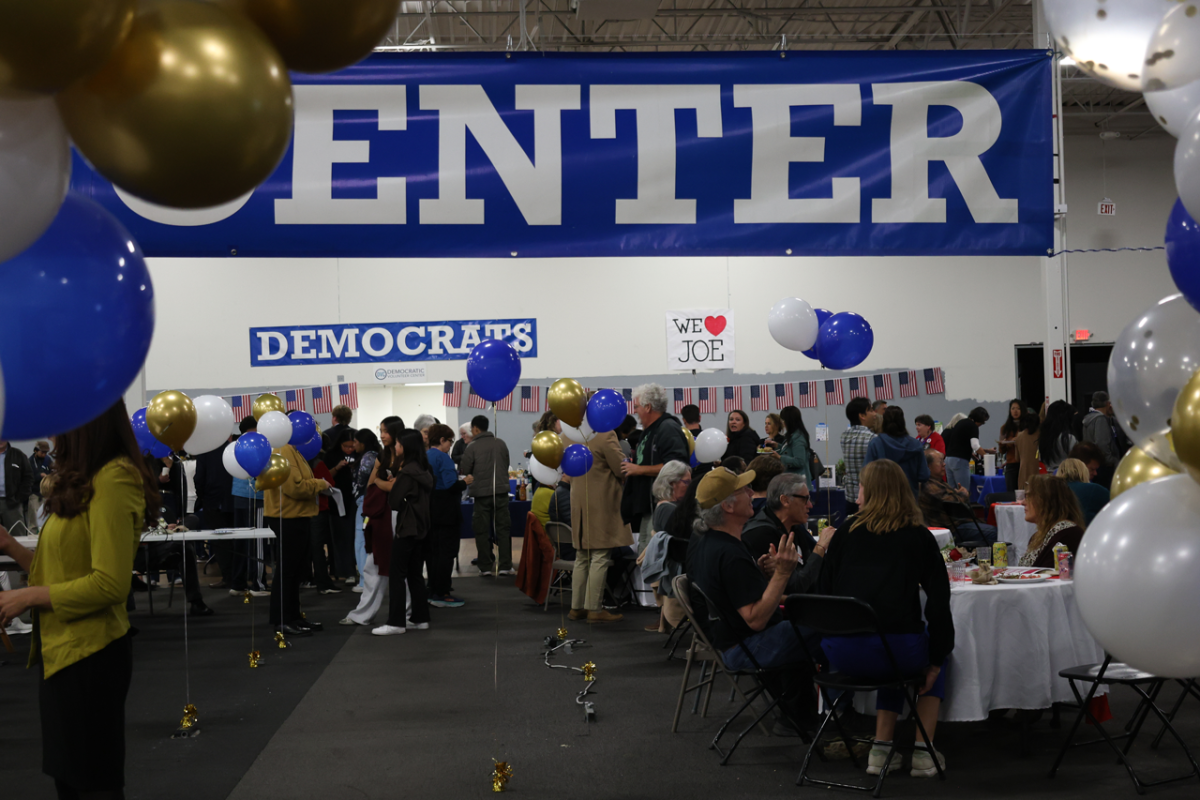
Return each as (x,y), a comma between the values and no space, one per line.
(983,576)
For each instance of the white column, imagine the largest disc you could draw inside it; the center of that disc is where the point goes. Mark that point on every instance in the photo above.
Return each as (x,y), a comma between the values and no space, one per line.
(135,395)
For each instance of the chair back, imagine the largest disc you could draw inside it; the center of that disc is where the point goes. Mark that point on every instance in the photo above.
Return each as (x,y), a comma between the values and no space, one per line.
(683,587)
(999,497)
(559,532)
(963,522)
(192,522)
(831,616)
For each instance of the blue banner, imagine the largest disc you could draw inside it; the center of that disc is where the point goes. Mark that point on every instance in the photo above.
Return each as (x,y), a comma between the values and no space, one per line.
(545,155)
(386,342)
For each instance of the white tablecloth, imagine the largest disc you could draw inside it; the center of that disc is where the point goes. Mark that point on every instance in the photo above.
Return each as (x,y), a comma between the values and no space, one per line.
(185,536)
(942,535)
(1011,527)
(1010,641)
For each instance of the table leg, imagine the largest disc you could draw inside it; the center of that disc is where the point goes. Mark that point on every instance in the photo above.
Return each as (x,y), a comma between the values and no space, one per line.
(8,645)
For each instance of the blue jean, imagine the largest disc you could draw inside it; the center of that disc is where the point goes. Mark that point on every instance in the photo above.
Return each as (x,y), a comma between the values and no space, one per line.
(968,532)
(864,657)
(775,646)
(360,542)
(958,473)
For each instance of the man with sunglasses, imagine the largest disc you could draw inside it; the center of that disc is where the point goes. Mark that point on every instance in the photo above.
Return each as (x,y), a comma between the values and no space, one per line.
(786,511)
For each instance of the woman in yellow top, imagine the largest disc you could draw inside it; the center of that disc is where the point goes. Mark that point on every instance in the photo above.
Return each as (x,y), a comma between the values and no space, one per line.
(78,583)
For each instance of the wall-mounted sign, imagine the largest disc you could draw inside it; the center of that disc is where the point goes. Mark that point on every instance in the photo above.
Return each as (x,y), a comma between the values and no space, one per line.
(843,153)
(413,374)
(701,338)
(385,342)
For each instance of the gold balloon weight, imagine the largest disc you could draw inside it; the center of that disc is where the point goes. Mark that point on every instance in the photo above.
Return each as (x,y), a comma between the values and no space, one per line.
(189,725)
(501,772)
(589,672)
(255,657)
(279,640)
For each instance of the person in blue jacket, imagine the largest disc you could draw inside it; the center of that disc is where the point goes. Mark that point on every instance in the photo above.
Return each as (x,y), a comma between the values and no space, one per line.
(894,444)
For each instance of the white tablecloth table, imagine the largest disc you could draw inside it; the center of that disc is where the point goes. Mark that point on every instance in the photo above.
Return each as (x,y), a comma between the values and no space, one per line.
(942,535)
(1011,527)
(1010,641)
(185,536)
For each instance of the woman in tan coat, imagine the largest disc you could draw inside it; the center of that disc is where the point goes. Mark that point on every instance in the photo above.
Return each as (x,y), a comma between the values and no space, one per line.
(288,512)
(597,527)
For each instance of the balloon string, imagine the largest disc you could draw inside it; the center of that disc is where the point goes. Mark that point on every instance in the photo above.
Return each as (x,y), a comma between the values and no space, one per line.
(187,661)
(496,563)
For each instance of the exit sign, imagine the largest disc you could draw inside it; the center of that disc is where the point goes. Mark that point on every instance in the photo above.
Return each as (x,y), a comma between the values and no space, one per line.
(1107,208)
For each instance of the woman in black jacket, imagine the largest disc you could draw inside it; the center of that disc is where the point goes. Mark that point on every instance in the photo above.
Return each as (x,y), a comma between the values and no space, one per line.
(409,499)
(743,440)
(445,517)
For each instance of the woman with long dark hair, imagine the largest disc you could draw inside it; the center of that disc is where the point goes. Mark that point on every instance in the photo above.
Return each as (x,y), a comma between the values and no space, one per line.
(78,582)
(1007,446)
(793,450)
(366,445)
(894,444)
(377,529)
(1055,439)
(743,440)
(409,501)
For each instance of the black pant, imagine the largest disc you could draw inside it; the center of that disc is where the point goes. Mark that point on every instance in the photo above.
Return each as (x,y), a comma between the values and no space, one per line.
(1011,473)
(293,552)
(439,561)
(172,556)
(322,537)
(342,551)
(408,553)
(250,573)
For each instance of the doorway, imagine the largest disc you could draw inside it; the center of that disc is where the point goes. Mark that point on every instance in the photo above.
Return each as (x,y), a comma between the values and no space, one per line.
(1088,365)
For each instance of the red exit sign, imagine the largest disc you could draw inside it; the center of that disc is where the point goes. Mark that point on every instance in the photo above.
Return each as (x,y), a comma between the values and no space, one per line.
(1107,208)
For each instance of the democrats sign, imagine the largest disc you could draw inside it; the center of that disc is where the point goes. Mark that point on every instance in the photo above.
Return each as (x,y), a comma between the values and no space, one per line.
(541,155)
(386,341)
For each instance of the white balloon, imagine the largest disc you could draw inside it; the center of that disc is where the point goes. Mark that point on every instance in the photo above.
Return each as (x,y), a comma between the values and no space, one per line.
(1187,165)
(581,435)
(1107,38)
(793,323)
(1151,361)
(1173,55)
(711,445)
(543,474)
(214,423)
(1174,108)
(35,168)
(1135,577)
(231,464)
(276,426)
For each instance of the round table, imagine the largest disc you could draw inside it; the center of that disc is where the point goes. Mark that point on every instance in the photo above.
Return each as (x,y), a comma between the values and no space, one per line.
(1011,527)
(943,536)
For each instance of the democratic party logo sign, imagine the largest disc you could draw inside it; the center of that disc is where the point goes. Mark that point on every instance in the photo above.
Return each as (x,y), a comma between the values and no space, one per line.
(700,339)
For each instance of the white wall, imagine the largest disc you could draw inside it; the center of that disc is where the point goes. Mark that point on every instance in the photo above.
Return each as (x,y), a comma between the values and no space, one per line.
(604,317)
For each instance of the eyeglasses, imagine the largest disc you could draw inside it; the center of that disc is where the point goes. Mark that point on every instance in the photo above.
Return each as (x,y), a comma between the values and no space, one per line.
(807,498)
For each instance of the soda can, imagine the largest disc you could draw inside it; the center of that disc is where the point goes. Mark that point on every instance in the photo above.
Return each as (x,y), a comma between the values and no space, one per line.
(1059,550)
(1000,554)
(1062,561)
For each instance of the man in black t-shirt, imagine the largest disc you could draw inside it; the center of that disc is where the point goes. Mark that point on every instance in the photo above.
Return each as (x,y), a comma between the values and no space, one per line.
(962,444)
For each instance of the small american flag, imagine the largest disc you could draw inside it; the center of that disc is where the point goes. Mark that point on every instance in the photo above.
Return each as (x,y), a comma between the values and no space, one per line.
(475,401)
(883,386)
(807,394)
(452,394)
(833,393)
(531,398)
(293,400)
(733,398)
(240,403)
(348,394)
(784,396)
(934,383)
(322,399)
(683,397)
(706,398)
(908,383)
(758,397)
(628,395)
(505,403)
(858,388)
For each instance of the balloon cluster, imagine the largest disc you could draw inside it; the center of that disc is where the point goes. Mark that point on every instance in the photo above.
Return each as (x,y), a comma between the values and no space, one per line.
(581,418)
(838,341)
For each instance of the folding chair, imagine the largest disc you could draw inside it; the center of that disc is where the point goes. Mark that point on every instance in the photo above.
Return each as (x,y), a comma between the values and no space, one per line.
(1147,686)
(849,616)
(701,650)
(760,676)
(999,497)
(964,525)
(559,533)
(1190,687)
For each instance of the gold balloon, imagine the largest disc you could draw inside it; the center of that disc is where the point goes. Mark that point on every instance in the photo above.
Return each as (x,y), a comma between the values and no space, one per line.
(194,109)
(45,45)
(264,403)
(274,475)
(321,35)
(1136,468)
(171,417)
(691,440)
(548,449)
(1185,425)
(568,401)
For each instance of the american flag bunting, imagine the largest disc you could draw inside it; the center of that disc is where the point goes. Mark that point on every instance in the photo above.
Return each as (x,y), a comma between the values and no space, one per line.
(934,382)
(628,395)
(293,400)
(348,394)
(806,394)
(908,383)
(475,401)
(683,397)
(505,403)
(883,386)
(531,398)
(706,398)
(733,398)
(452,394)
(784,396)
(322,397)
(758,397)
(833,393)
(240,403)
(858,388)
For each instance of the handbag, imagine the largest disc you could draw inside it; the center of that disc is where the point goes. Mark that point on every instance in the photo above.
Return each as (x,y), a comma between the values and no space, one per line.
(815,467)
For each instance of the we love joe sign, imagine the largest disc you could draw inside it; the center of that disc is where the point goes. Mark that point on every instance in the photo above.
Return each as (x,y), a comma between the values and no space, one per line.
(700,338)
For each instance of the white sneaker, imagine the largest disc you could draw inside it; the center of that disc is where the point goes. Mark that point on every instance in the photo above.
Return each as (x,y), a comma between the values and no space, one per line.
(357,590)
(922,763)
(387,630)
(17,627)
(417,626)
(348,621)
(507,572)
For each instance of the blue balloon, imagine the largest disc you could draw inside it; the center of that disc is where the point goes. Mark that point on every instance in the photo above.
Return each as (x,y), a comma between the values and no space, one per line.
(844,341)
(693,462)
(822,315)
(145,439)
(252,451)
(493,368)
(1183,253)
(308,450)
(304,427)
(577,460)
(606,410)
(78,317)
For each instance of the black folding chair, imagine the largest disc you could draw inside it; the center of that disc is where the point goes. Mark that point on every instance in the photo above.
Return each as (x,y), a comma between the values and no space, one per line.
(760,676)
(999,497)
(849,616)
(1147,686)
(964,525)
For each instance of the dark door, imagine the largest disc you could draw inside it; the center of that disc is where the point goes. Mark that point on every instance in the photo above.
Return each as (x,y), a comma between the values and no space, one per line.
(1031,376)
(1089,373)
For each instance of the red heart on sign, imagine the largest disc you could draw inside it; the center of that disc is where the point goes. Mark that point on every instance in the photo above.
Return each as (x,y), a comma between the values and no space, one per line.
(714,324)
